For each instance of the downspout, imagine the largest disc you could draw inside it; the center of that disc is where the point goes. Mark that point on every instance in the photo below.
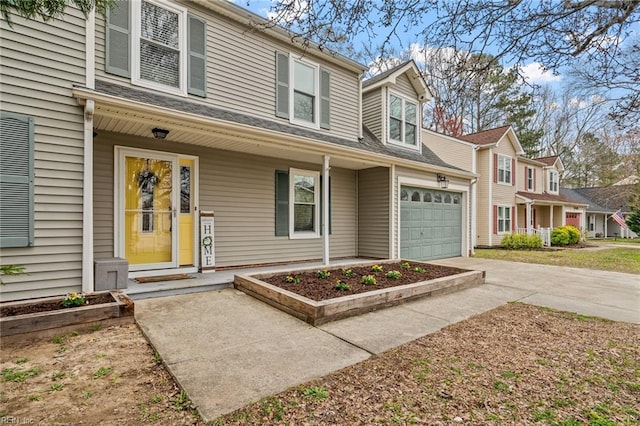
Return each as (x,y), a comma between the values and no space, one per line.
(490,212)
(87,187)
(360,133)
(325,209)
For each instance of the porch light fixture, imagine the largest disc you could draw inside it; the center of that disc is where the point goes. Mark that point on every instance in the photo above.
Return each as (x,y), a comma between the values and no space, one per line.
(442,181)
(159,133)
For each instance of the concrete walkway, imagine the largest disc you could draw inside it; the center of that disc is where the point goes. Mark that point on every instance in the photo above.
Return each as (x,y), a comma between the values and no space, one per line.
(227,349)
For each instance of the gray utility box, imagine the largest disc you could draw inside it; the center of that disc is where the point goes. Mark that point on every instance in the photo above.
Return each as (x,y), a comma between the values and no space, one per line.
(111,274)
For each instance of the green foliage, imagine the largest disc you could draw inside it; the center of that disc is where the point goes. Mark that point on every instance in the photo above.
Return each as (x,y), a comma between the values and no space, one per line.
(342,286)
(292,279)
(574,234)
(9,270)
(559,236)
(19,374)
(633,220)
(521,241)
(316,392)
(73,299)
(55,387)
(377,268)
(101,372)
(49,9)
(181,401)
(324,274)
(419,270)
(405,265)
(394,275)
(348,273)
(368,280)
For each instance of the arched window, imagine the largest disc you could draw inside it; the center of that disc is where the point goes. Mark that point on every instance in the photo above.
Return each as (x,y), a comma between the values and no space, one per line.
(456,199)
(437,198)
(415,196)
(447,199)
(427,197)
(404,195)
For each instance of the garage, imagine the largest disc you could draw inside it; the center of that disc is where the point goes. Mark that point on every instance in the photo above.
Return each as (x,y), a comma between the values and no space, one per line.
(430,223)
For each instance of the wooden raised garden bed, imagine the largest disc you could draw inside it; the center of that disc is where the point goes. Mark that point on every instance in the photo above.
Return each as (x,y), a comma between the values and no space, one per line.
(324,311)
(45,317)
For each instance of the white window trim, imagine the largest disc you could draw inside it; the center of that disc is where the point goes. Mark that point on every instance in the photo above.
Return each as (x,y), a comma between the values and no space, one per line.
(135,47)
(509,162)
(508,229)
(304,234)
(402,142)
(316,88)
(557,181)
(531,176)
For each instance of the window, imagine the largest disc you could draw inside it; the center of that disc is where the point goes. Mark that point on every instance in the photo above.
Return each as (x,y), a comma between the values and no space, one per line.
(427,197)
(16,180)
(303,91)
(553,181)
(415,196)
(158,45)
(504,219)
(437,198)
(504,169)
(530,179)
(404,195)
(185,189)
(447,199)
(299,208)
(403,119)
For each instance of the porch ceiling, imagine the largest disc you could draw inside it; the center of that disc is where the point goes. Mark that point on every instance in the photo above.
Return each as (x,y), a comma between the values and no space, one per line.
(138,123)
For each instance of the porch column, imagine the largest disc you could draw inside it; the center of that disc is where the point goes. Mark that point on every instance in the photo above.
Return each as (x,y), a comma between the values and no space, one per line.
(87,201)
(325,209)
(605,225)
(529,224)
(551,216)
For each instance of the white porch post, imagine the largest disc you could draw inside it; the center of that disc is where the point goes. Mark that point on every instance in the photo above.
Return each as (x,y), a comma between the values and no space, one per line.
(551,216)
(325,209)
(87,186)
(605,225)
(529,224)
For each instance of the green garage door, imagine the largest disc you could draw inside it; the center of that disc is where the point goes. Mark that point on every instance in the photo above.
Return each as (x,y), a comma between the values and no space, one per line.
(430,223)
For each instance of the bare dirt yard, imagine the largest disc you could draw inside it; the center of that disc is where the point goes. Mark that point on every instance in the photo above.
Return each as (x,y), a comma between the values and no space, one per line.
(517,364)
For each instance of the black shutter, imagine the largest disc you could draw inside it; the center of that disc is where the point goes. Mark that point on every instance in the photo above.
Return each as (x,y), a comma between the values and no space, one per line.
(282,203)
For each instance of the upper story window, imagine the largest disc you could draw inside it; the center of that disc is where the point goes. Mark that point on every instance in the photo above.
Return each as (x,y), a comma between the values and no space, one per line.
(303,91)
(403,119)
(158,45)
(504,169)
(553,181)
(531,177)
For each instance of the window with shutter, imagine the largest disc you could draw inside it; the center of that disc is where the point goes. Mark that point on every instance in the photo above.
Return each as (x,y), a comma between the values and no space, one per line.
(158,45)
(504,169)
(16,180)
(504,219)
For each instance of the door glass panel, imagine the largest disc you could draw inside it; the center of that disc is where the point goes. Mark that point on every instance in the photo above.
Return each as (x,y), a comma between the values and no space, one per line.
(148,211)
(185,189)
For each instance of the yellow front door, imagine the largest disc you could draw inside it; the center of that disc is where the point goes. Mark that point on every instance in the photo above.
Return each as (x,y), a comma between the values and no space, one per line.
(186,214)
(148,212)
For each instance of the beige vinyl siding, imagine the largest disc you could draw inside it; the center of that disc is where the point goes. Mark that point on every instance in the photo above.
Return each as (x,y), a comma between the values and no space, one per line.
(372,112)
(449,150)
(240,189)
(404,87)
(40,64)
(241,73)
(504,194)
(373,212)
(483,216)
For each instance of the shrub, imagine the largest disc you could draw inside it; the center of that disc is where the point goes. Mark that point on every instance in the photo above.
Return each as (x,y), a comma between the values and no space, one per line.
(324,274)
(521,241)
(342,286)
(394,275)
(368,280)
(559,236)
(376,268)
(574,234)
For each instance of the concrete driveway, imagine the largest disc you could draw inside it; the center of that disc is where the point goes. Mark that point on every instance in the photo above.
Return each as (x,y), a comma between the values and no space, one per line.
(227,349)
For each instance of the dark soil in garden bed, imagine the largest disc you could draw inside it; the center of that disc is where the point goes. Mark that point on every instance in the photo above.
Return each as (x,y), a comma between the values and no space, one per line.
(52,305)
(315,288)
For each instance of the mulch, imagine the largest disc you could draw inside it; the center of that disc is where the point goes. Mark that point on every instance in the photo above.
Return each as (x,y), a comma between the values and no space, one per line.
(51,305)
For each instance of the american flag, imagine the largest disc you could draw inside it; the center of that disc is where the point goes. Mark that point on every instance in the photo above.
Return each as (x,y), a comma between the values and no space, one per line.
(617,216)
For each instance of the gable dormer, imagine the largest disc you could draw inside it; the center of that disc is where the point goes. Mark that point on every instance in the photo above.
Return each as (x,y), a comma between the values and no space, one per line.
(392,105)
(553,169)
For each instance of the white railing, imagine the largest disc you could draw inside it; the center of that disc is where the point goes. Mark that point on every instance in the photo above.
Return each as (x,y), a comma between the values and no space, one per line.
(545,234)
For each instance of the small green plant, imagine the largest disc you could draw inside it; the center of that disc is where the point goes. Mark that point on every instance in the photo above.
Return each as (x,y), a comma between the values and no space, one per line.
(292,279)
(55,387)
(57,375)
(500,386)
(419,270)
(368,280)
(342,286)
(101,372)
(181,401)
(394,275)
(316,392)
(157,358)
(21,360)
(35,397)
(9,270)
(87,394)
(156,399)
(96,327)
(405,265)
(348,273)
(58,340)
(19,374)
(324,274)
(73,299)
(377,268)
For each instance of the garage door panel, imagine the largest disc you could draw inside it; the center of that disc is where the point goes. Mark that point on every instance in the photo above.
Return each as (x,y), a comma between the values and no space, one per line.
(430,229)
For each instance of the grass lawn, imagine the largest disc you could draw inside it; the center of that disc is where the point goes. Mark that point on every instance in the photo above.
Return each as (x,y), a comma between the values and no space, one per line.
(609,259)
(600,241)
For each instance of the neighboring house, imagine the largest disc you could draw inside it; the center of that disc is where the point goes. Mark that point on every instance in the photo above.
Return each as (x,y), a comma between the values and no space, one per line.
(118,133)
(513,193)
(603,203)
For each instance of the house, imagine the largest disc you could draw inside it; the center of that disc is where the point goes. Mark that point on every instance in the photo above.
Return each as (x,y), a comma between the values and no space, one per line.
(120,133)
(603,203)
(513,193)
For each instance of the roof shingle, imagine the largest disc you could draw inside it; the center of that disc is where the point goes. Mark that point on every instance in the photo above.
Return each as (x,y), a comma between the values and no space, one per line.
(486,137)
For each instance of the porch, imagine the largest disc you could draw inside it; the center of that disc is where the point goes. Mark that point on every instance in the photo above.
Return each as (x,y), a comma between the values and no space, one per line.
(544,233)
